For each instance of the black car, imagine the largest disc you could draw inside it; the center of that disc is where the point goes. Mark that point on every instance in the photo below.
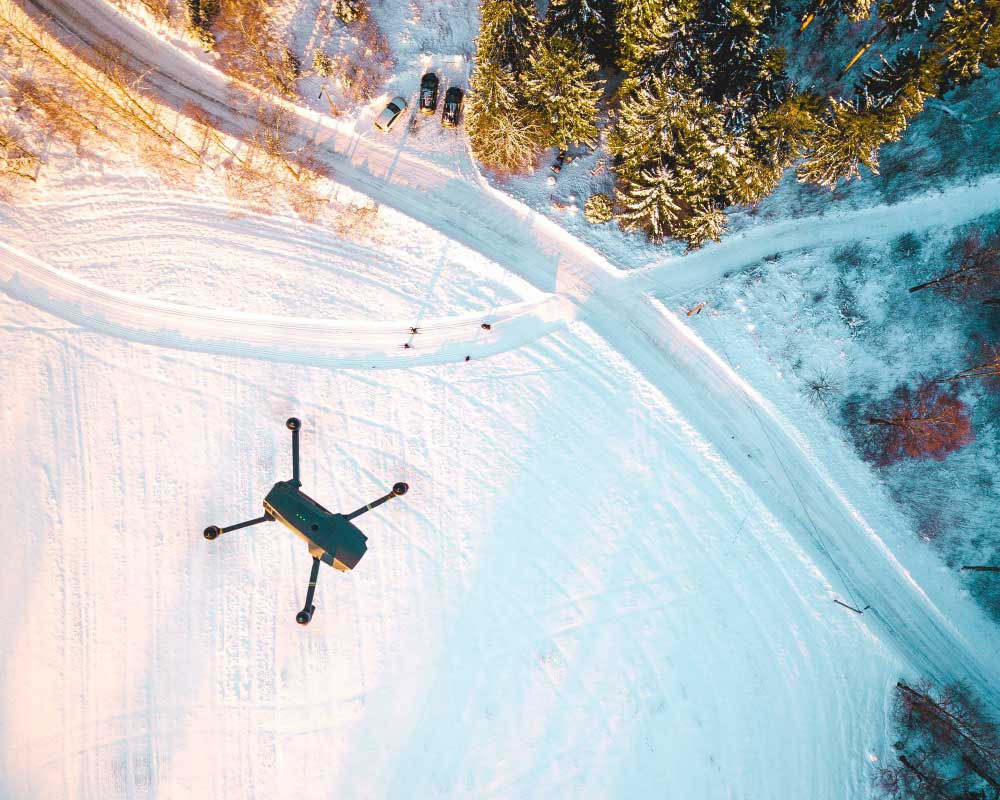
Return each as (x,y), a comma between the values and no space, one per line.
(429,93)
(452,107)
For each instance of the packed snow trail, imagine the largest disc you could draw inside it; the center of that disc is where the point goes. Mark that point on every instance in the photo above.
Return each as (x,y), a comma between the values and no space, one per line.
(366,343)
(319,342)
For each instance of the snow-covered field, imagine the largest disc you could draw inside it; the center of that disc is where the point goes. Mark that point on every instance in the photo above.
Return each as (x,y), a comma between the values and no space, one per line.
(614,573)
(577,597)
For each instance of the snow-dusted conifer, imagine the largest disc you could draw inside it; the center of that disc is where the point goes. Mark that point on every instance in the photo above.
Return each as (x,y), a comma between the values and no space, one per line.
(848,137)
(902,84)
(902,16)
(657,38)
(503,135)
(590,22)
(707,222)
(968,38)
(854,10)
(598,209)
(649,202)
(788,128)
(322,63)
(508,30)
(561,84)
(669,122)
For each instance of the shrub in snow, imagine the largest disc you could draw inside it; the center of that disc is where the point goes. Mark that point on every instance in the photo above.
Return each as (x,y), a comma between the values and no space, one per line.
(349,11)
(291,62)
(322,63)
(598,209)
(930,422)
(201,13)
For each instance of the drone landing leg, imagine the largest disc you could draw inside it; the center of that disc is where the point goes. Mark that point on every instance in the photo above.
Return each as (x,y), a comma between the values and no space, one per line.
(305,615)
(213,531)
(397,490)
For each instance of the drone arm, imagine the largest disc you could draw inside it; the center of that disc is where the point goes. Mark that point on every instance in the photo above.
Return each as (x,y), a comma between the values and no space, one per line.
(397,490)
(213,531)
(247,524)
(295,454)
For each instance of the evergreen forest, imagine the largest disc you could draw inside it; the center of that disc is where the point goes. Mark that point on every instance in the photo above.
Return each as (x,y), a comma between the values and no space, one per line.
(694,99)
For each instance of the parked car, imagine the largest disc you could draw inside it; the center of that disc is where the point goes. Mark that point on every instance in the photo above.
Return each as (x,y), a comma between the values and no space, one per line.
(388,117)
(452,107)
(429,93)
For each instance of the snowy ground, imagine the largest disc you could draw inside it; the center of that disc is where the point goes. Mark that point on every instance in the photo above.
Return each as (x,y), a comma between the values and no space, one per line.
(580,595)
(575,598)
(613,575)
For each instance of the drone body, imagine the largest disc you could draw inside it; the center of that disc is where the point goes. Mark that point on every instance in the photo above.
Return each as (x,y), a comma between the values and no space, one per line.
(332,538)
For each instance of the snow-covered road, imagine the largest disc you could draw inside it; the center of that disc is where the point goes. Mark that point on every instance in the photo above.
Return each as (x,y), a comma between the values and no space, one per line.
(629,593)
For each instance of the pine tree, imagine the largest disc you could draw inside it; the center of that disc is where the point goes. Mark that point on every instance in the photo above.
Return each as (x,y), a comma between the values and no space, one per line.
(902,83)
(854,10)
(707,222)
(323,64)
(846,138)
(783,135)
(503,135)
(735,33)
(598,209)
(649,202)
(904,16)
(968,38)
(664,121)
(657,38)
(590,22)
(508,30)
(492,89)
(676,161)
(560,83)
(201,15)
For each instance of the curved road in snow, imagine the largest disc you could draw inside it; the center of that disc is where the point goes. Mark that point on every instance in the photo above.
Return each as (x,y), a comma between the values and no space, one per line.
(915,605)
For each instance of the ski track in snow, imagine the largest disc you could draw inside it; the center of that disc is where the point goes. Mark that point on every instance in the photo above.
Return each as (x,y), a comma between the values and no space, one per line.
(657,630)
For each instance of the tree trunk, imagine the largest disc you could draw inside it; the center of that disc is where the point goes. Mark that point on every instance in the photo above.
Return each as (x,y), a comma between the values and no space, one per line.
(934,282)
(945,716)
(979,771)
(932,784)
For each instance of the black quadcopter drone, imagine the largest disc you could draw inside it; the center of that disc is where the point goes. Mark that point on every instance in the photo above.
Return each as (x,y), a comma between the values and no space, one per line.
(332,538)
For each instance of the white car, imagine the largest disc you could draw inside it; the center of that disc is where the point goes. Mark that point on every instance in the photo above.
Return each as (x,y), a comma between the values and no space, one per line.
(388,117)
